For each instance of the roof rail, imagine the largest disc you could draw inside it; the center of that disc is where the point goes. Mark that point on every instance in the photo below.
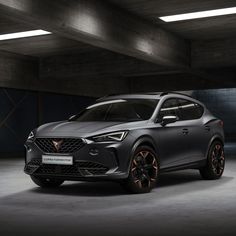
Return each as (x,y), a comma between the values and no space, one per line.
(177,93)
(112,94)
(164,93)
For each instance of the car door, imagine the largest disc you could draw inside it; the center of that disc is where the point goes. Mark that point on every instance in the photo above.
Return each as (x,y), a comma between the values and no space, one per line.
(172,138)
(196,133)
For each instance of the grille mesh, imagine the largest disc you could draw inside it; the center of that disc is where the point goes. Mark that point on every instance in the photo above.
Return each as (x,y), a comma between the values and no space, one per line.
(81,168)
(67,145)
(60,170)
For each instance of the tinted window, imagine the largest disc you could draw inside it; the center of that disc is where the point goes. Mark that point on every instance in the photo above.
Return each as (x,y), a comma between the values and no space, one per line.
(169,108)
(119,110)
(189,110)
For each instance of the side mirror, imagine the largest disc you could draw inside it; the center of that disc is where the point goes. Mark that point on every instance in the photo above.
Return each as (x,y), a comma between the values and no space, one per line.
(168,120)
(72,118)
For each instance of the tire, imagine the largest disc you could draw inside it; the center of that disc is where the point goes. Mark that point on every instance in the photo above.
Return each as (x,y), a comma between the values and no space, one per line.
(215,162)
(46,182)
(144,170)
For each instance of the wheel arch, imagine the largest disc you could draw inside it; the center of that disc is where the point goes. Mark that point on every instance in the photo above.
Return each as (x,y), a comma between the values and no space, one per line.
(213,139)
(142,141)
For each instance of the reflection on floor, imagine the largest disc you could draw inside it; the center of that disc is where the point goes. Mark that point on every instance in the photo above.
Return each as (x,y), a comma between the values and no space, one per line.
(182,204)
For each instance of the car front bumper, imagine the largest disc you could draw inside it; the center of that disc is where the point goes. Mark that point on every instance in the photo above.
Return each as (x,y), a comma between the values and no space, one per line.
(93,161)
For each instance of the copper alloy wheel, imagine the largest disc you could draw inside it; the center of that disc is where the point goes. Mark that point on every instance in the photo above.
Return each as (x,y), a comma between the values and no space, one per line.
(218,159)
(144,169)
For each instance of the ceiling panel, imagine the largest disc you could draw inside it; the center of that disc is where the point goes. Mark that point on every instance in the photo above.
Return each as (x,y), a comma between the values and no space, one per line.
(44,45)
(37,46)
(10,26)
(208,28)
(155,8)
(204,29)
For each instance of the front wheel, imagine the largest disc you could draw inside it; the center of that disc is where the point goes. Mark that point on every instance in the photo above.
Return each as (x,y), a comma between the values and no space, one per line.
(47,182)
(144,170)
(215,162)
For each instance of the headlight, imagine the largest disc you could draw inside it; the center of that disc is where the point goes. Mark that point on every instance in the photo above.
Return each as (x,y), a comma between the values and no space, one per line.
(116,136)
(31,136)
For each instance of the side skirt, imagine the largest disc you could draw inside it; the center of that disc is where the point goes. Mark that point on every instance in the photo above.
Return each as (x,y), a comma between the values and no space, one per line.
(192,165)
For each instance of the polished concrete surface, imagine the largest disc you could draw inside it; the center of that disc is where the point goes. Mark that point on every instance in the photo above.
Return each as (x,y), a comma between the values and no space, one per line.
(182,204)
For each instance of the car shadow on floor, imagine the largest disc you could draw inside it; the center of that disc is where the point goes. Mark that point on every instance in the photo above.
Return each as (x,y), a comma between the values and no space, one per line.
(102,195)
(85,189)
(178,178)
(169,181)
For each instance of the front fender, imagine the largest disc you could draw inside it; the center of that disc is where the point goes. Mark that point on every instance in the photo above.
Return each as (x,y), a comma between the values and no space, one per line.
(146,140)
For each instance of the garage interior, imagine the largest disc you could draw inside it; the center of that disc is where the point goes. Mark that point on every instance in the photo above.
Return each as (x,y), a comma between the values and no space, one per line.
(92,49)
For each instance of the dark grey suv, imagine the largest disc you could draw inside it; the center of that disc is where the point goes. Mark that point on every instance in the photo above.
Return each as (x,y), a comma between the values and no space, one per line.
(130,139)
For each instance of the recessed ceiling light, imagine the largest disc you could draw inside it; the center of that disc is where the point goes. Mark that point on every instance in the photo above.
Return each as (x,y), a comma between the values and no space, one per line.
(200,14)
(24,34)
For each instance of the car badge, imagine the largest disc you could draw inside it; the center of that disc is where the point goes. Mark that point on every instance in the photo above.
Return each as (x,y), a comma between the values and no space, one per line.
(57,144)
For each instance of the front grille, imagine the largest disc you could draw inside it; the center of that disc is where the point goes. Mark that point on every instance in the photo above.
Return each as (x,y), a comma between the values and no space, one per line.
(93,168)
(65,145)
(32,166)
(79,169)
(59,170)
(35,162)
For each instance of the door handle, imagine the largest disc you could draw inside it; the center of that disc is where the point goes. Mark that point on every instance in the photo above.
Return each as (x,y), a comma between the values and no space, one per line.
(207,128)
(185,131)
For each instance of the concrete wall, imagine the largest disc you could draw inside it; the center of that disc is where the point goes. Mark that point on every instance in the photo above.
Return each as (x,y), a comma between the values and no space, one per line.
(21,111)
(222,103)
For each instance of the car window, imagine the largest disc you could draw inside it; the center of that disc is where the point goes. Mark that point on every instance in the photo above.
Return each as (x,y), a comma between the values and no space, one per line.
(189,110)
(169,108)
(125,110)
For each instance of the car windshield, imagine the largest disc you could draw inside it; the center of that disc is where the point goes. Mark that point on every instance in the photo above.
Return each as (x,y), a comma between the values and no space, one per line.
(124,110)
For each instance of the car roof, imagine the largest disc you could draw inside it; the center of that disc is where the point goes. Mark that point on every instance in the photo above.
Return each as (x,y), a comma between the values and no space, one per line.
(151,95)
(129,96)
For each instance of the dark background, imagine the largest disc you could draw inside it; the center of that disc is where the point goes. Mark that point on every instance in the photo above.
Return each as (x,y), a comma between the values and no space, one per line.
(100,47)
(22,111)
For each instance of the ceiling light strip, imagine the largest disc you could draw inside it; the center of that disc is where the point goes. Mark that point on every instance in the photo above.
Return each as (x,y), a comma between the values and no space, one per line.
(24,34)
(200,14)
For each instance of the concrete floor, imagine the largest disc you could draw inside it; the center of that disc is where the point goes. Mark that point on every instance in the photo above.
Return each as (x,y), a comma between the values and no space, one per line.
(182,204)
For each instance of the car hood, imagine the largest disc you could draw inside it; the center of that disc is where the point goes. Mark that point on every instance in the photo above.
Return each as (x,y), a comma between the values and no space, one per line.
(83,129)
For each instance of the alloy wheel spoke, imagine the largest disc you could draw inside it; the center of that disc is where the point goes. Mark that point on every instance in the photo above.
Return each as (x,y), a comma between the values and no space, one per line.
(146,176)
(135,162)
(222,156)
(218,159)
(144,154)
(155,167)
(144,169)
(213,154)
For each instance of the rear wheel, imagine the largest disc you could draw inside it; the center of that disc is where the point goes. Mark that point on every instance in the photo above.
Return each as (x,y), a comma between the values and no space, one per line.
(47,182)
(144,171)
(215,162)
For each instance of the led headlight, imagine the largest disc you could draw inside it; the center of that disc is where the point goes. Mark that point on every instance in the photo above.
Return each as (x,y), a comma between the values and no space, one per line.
(31,136)
(116,136)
